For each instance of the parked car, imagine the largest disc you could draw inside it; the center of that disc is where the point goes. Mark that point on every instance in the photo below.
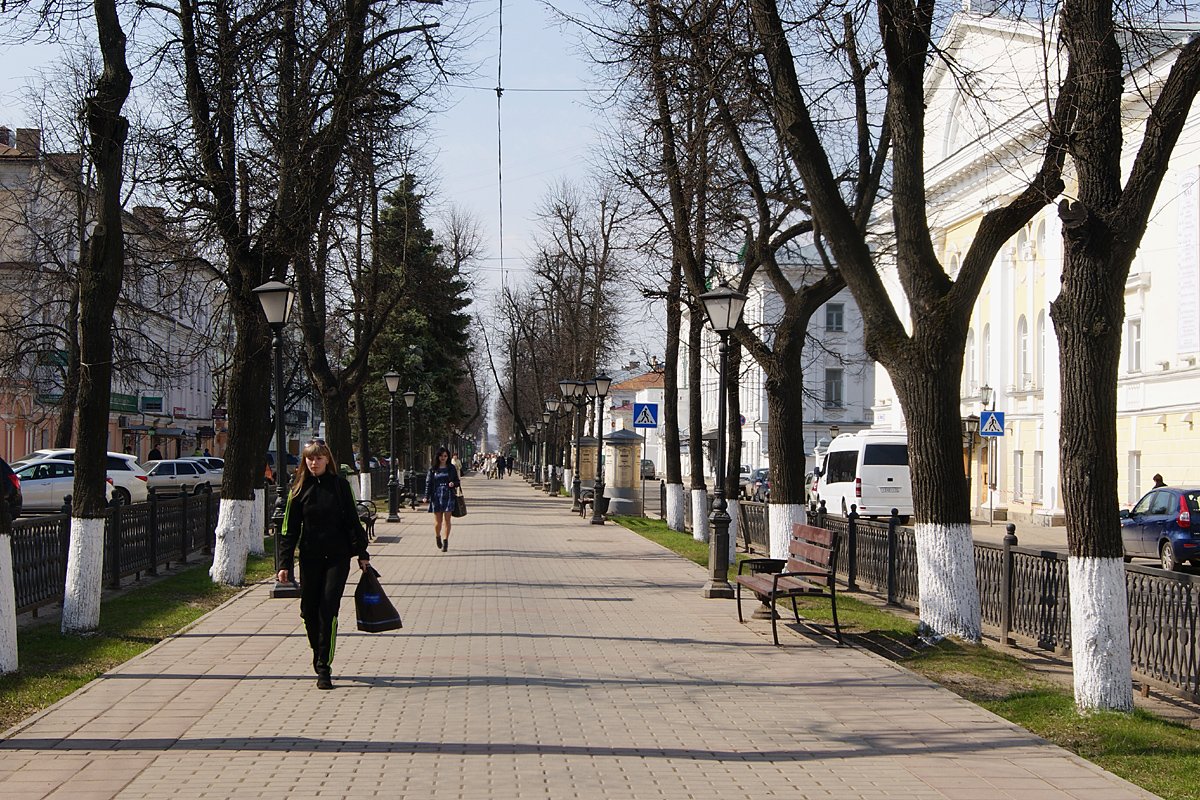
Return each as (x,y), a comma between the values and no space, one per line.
(129,479)
(867,469)
(180,476)
(1160,525)
(762,488)
(748,488)
(46,483)
(214,465)
(648,470)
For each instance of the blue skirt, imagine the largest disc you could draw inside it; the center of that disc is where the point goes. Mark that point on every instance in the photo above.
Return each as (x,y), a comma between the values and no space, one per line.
(442,500)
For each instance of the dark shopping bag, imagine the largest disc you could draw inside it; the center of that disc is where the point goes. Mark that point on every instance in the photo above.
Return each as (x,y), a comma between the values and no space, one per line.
(374,611)
(460,506)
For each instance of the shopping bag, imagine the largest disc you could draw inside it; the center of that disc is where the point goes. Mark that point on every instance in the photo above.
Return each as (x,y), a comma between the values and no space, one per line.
(460,505)
(374,611)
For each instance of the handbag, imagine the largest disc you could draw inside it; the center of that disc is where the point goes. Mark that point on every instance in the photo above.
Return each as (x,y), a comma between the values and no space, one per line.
(374,611)
(460,505)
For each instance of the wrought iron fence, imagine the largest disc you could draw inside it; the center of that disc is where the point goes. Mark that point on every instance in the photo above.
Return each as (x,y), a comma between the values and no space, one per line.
(753,524)
(138,539)
(1024,595)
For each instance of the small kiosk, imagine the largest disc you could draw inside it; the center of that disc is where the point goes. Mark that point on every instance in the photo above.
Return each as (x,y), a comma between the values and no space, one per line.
(587,462)
(622,456)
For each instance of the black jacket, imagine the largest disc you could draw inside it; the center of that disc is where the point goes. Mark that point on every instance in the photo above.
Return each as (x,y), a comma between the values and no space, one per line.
(322,519)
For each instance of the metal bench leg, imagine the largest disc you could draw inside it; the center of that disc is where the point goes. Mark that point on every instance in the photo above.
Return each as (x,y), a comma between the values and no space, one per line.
(738,595)
(795,611)
(833,603)
(775,628)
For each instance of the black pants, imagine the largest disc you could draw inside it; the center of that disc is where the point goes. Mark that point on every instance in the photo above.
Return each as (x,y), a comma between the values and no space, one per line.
(322,581)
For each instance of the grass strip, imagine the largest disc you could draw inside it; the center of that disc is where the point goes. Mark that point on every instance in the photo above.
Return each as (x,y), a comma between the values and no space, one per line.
(54,664)
(1158,755)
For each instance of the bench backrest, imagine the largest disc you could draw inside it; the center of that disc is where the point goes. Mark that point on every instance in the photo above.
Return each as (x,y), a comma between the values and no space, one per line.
(811,549)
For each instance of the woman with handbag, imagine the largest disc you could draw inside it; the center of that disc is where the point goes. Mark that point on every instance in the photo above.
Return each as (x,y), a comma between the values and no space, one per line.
(441,485)
(321,518)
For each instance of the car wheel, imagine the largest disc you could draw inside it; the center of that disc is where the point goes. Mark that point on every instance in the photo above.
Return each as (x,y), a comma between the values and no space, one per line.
(120,497)
(1128,559)
(202,488)
(1167,557)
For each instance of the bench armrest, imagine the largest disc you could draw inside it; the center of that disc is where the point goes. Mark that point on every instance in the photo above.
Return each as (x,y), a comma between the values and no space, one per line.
(756,565)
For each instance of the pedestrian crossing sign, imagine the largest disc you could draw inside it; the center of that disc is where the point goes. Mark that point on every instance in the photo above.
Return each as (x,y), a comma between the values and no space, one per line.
(645,415)
(991,423)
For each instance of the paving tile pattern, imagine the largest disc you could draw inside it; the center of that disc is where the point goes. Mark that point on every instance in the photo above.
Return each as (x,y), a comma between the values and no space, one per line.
(542,657)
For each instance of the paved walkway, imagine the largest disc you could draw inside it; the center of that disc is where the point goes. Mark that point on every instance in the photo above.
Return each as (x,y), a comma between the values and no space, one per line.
(542,657)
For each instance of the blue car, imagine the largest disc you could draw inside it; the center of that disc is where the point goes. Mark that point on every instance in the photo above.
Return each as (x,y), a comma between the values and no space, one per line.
(1164,524)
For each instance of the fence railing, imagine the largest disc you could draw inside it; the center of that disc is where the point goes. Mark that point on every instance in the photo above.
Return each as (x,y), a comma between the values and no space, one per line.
(138,539)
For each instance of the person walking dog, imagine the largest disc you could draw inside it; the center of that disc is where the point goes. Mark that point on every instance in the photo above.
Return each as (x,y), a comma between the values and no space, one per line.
(441,484)
(321,518)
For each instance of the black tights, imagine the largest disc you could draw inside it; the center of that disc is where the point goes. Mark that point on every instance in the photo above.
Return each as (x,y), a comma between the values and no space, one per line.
(322,582)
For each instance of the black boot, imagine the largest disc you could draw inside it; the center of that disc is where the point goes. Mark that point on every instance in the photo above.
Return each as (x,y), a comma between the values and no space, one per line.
(324,681)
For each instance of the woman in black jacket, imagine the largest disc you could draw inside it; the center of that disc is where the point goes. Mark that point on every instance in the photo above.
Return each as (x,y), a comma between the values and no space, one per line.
(441,486)
(322,519)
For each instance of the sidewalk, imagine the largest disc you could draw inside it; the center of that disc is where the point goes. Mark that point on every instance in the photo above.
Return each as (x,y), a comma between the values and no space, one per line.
(542,657)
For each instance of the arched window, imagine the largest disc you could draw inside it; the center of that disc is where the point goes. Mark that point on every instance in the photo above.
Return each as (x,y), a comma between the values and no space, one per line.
(1041,350)
(985,359)
(1024,375)
(970,385)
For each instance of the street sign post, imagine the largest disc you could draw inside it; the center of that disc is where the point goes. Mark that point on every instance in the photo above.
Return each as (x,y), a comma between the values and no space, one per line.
(645,415)
(991,423)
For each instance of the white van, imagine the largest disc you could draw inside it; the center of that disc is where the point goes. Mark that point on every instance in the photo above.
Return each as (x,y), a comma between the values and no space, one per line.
(868,469)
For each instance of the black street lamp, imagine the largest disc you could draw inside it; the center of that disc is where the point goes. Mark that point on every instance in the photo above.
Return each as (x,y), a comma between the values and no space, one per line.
(723,306)
(553,404)
(410,399)
(598,389)
(548,445)
(276,299)
(391,379)
(575,392)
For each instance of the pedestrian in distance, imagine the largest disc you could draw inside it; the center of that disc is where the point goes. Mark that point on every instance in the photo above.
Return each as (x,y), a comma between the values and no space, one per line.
(154,455)
(501,465)
(320,519)
(1158,480)
(441,484)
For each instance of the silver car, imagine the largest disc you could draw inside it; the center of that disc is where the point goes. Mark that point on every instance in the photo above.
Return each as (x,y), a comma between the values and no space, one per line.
(178,476)
(47,483)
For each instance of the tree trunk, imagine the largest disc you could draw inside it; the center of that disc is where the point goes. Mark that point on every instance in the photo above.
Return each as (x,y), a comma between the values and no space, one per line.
(945,551)
(1088,319)
(100,276)
(674,512)
(785,417)
(696,429)
(8,593)
(69,404)
(249,435)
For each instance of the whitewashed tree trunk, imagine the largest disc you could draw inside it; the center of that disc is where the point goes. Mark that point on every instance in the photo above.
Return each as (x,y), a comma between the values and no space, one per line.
(256,538)
(233,537)
(85,573)
(700,515)
(364,486)
(780,519)
(676,507)
(946,581)
(8,608)
(735,528)
(1100,634)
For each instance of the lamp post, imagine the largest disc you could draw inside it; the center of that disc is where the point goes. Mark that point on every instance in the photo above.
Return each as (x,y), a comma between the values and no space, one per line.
(276,299)
(988,395)
(410,399)
(723,306)
(391,379)
(548,446)
(552,406)
(576,393)
(598,388)
(970,430)
(834,430)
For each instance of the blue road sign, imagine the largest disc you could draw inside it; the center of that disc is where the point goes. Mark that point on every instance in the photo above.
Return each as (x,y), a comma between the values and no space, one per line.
(991,423)
(645,415)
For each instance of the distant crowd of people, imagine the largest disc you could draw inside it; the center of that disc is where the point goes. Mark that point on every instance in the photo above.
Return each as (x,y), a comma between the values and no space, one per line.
(493,465)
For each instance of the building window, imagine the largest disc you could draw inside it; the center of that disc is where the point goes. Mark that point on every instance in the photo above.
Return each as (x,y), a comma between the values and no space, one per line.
(1023,373)
(835,317)
(833,388)
(1135,477)
(1041,350)
(1018,476)
(1037,476)
(1133,345)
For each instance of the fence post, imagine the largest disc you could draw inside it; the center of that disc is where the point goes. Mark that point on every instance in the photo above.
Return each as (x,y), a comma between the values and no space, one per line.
(112,531)
(662,499)
(821,512)
(152,535)
(851,547)
(1006,583)
(64,543)
(891,559)
(183,519)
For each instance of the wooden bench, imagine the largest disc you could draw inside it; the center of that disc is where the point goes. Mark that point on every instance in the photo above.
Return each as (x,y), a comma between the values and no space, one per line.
(809,571)
(586,498)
